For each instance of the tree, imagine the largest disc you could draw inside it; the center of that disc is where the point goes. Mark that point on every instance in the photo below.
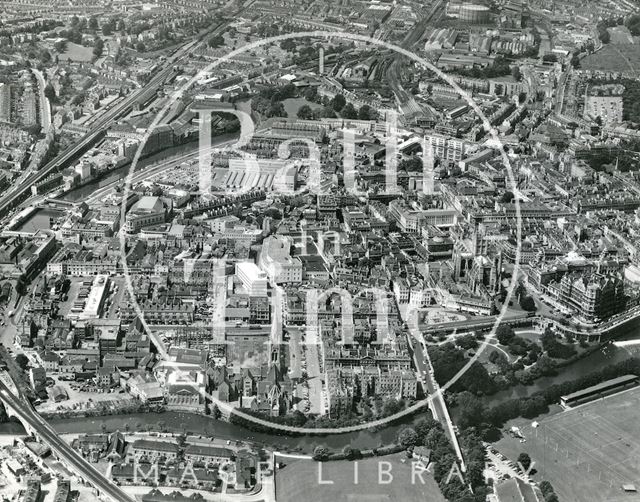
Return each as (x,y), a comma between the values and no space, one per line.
(325,111)
(507,197)
(516,74)
(216,41)
(472,411)
(575,60)
(276,109)
(338,102)
(320,453)
(524,460)
(98,47)
(367,113)
(546,488)
(391,407)
(522,97)
(467,342)
(215,412)
(499,359)
(423,427)
(140,47)
(349,112)
(633,23)
(527,303)
(50,92)
(311,93)
(505,334)
(60,45)
(408,437)
(305,112)
(93,23)
(288,45)
(22,361)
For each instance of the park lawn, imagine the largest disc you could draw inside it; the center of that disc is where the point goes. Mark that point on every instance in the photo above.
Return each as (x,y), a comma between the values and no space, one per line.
(299,480)
(292,105)
(587,453)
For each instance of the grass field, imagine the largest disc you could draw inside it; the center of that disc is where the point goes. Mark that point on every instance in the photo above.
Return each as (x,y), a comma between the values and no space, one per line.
(620,35)
(77,52)
(587,453)
(298,481)
(622,58)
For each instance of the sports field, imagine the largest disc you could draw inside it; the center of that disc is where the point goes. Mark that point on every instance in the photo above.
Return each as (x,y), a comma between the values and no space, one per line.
(300,481)
(622,58)
(587,453)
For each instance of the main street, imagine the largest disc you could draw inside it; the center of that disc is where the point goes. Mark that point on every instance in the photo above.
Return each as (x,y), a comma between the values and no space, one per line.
(426,377)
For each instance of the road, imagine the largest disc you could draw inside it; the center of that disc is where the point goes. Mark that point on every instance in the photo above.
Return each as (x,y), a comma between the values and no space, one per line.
(426,377)
(423,364)
(43,101)
(63,450)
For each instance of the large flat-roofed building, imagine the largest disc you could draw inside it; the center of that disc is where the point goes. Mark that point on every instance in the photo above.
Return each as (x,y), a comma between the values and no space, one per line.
(277,262)
(412,219)
(148,211)
(97,296)
(600,390)
(253,279)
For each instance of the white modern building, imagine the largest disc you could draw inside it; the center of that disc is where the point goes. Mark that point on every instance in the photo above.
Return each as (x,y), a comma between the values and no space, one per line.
(253,279)
(276,260)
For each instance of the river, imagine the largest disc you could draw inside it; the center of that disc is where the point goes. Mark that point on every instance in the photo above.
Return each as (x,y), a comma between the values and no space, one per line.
(84,191)
(207,426)
(605,356)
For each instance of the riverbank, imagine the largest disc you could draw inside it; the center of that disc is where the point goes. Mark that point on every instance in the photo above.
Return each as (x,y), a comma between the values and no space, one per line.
(205,425)
(118,174)
(601,355)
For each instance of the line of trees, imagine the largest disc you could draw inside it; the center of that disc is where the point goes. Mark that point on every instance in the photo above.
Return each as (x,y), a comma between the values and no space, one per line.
(473,412)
